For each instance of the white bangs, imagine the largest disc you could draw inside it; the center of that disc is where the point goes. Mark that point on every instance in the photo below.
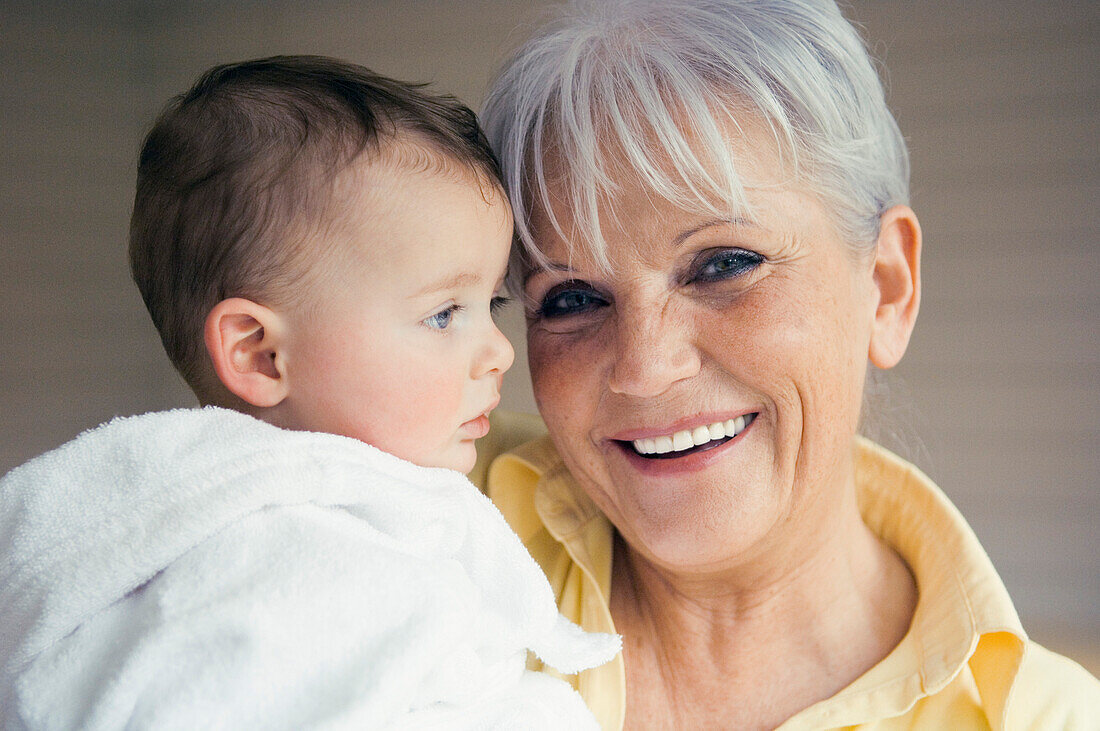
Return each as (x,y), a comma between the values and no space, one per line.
(657,85)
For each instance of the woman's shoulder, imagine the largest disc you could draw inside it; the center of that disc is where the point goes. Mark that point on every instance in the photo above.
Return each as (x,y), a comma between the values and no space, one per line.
(1053,692)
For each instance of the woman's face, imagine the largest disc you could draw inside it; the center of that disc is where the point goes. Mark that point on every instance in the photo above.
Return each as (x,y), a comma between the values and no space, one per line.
(706,329)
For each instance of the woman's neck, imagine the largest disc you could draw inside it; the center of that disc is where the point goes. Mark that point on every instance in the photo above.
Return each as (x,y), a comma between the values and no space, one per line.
(757,644)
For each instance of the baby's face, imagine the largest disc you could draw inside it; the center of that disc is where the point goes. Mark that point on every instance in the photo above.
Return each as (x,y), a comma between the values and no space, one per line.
(398,347)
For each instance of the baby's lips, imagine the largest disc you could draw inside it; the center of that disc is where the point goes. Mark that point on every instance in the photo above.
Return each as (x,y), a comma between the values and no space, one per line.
(477,428)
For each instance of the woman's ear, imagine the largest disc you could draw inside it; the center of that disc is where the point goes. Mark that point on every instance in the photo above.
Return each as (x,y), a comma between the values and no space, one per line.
(897,282)
(245,342)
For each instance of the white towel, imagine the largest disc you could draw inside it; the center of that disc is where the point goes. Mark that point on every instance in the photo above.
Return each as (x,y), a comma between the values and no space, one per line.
(200,568)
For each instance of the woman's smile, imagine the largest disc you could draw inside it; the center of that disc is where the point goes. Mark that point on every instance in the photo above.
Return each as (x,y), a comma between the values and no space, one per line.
(670,443)
(686,451)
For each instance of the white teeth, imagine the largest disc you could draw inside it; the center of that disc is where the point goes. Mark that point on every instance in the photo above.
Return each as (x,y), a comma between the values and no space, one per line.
(686,439)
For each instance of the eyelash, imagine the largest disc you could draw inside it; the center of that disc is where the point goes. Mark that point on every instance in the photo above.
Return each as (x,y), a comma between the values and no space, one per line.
(574,288)
(743,262)
(495,305)
(738,262)
(449,312)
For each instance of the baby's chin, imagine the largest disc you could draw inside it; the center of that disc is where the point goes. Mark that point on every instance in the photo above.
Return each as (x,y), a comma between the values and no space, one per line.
(459,454)
(464,463)
(460,457)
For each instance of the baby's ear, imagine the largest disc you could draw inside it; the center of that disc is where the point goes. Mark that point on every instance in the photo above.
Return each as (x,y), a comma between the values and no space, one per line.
(897,281)
(245,342)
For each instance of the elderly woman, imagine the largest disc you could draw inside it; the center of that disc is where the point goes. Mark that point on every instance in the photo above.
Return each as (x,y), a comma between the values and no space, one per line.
(710,201)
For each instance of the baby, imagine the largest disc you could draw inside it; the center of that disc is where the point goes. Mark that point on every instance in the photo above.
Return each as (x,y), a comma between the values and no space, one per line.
(321,250)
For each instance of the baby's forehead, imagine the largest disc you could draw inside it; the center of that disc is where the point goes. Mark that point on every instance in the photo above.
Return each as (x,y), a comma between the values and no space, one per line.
(400,176)
(385,205)
(406,155)
(378,182)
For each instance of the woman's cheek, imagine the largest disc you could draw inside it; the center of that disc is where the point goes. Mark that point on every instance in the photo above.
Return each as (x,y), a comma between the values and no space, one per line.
(564,373)
(549,360)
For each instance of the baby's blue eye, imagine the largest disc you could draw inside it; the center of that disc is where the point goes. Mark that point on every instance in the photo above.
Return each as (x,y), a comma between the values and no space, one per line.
(442,319)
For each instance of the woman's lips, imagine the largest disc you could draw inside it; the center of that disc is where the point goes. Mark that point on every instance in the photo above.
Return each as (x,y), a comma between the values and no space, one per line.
(685,448)
(686,433)
(698,438)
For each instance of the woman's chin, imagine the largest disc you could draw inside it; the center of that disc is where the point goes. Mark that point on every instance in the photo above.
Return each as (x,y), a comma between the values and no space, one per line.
(701,527)
(703,545)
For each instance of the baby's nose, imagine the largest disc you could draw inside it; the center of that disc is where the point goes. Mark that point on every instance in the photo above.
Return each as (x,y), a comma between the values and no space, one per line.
(497,354)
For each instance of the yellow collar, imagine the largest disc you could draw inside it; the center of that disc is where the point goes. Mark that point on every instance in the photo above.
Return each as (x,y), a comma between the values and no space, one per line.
(964,615)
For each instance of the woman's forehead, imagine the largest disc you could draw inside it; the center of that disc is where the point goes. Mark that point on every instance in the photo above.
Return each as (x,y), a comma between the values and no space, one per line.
(680,148)
(571,200)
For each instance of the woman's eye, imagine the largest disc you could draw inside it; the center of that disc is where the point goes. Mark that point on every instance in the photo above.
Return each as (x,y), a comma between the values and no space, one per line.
(442,319)
(569,298)
(727,264)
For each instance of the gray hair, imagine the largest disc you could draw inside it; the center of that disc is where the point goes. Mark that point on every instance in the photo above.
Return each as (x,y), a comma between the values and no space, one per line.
(659,80)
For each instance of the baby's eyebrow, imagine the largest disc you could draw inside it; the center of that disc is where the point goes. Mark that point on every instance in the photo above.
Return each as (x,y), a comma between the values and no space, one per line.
(451,281)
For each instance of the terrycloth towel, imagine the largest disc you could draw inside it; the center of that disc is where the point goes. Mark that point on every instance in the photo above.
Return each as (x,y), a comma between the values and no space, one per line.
(202,569)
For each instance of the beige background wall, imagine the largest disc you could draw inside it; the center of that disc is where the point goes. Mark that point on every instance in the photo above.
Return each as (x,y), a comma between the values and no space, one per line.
(999,394)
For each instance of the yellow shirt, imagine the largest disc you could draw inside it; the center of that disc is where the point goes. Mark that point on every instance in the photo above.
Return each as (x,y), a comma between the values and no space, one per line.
(965,663)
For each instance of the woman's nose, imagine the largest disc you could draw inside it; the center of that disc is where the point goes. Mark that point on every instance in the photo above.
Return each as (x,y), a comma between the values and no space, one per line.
(496,354)
(652,352)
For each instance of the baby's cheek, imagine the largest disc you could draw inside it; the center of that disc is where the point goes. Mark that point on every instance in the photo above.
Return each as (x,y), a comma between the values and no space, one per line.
(435,409)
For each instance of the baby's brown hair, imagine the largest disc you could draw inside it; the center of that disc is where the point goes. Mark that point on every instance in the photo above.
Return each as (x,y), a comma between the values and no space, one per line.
(237,167)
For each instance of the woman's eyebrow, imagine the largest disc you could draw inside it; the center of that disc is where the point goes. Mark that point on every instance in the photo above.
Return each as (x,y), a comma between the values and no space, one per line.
(685,235)
(552,266)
